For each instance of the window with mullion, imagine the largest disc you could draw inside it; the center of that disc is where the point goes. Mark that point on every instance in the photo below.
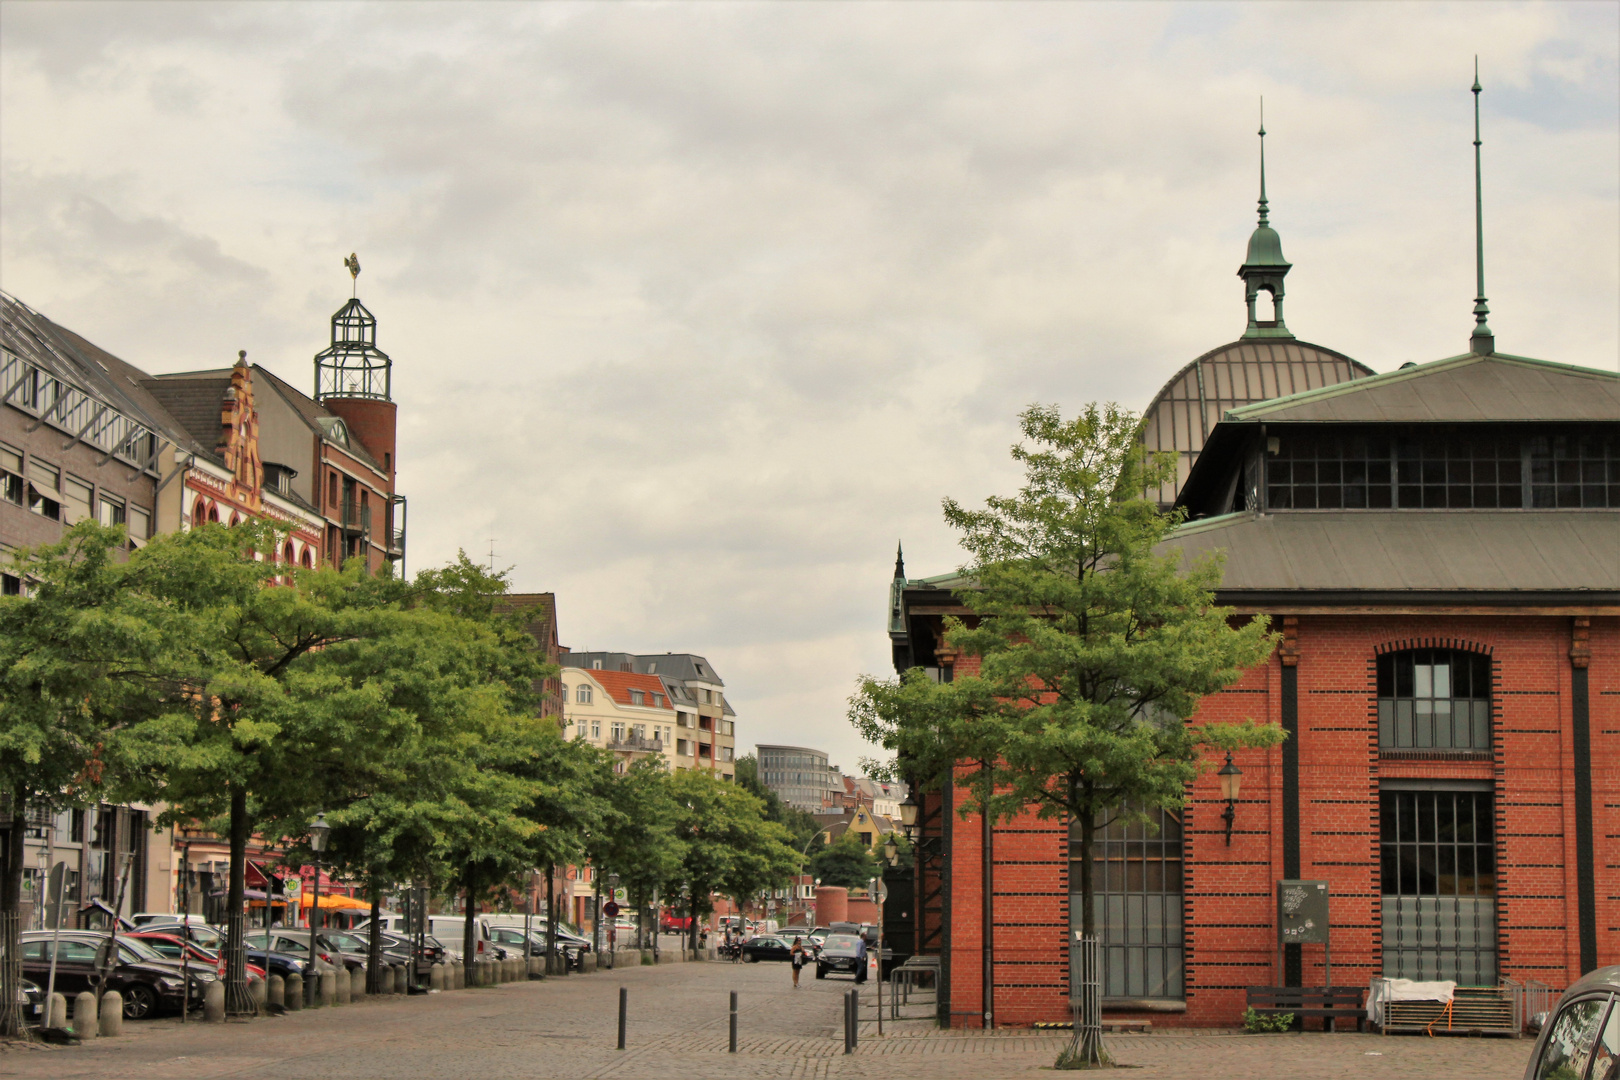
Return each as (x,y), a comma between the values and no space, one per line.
(1434,699)
(1137,887)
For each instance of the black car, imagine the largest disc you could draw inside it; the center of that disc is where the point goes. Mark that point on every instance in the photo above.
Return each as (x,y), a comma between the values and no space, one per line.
(766,947)
(1581,1040)
(33,1003)
(148,982)
(295,943)
(843,954)
(511,939)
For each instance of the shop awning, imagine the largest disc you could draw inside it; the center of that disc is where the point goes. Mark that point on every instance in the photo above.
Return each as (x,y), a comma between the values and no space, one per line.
(338,903)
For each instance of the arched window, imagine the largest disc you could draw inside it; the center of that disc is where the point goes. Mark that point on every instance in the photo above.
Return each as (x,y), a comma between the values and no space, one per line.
(199,512)
(583,694)
(1434,699)
(308,559)
(213,513)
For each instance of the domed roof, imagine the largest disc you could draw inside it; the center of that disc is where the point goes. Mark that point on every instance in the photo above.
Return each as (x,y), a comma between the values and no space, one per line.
(1265,248)
(1181,417)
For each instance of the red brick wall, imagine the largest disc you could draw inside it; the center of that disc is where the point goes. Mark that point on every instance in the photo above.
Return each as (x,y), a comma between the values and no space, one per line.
(1230,940)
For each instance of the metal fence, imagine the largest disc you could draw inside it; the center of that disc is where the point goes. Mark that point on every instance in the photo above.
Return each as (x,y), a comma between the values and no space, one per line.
(1528,998)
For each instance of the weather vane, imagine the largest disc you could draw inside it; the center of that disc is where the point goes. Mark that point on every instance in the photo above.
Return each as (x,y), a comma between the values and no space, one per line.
(353,263)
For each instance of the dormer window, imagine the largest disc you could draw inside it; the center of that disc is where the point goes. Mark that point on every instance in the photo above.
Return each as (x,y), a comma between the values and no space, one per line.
(637,697)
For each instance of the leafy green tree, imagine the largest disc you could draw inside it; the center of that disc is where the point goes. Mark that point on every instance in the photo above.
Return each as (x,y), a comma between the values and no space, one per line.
(636,838)
(278,713)
(846,862)
(81,656)
(727,844)
(1095,647)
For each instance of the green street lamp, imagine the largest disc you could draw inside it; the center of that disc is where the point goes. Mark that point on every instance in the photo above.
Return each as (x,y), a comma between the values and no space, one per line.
(319,833)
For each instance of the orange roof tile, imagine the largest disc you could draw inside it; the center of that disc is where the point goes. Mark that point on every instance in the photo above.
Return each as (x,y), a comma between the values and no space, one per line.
(618,684)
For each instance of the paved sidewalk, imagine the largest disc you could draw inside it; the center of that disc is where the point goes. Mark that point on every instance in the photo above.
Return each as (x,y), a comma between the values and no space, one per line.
(565,1028)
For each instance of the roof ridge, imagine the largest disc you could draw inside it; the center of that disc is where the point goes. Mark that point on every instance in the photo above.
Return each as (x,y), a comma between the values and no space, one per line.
(1405,374)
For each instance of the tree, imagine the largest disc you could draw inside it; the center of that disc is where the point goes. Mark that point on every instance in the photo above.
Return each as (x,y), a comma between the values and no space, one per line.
(636,838)
(276,714)
(1096,644)
(1095,647)
(846,862)
(81,656)
(728,846)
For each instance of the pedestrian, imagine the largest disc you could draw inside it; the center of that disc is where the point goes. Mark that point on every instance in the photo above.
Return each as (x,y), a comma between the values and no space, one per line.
(798,960)
(703,937)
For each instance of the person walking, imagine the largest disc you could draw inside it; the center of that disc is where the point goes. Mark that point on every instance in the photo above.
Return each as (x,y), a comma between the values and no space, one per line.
(798,960)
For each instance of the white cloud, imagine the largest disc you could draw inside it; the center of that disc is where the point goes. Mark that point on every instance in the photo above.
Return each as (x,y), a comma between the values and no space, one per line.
(697,308)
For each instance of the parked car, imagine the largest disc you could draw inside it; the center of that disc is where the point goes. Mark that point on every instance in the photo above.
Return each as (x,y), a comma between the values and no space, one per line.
(843,954)
(33,1002)
(766,947)
(172,947)
(359,944)
(1581,1040)
(148,982)
(296,943)
(193,927)
(675,924)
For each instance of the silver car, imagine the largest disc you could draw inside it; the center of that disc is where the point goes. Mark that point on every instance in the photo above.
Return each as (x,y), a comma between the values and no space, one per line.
(1581,1040)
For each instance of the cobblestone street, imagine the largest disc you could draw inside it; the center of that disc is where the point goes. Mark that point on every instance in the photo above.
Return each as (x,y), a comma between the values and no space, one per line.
(678,1013)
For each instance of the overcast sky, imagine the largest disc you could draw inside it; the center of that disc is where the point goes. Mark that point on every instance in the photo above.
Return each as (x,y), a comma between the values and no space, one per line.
(697,309)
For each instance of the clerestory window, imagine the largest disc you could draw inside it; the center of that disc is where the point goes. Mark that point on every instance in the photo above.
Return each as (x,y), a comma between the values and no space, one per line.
(1434,699)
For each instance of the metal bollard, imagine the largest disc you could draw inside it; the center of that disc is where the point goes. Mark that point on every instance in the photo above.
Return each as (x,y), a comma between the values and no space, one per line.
(214,1002)
(112,1014)
(294,999)
(276,992)
(84,1015)
(855,1018)
(624,1012)
(733,1022)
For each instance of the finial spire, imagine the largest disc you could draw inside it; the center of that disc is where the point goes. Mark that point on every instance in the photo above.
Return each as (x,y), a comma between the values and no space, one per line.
(899,561)
(1263,220)
(1482,342)
(353,263)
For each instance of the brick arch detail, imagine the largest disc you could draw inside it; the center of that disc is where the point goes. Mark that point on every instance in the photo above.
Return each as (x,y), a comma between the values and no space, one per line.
(1458,644)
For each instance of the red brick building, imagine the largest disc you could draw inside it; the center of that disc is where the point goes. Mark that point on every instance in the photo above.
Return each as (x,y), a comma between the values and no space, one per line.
(1440,547)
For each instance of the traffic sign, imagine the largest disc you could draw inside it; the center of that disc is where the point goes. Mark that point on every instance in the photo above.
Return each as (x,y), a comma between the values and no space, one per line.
(883,892)
(610,909)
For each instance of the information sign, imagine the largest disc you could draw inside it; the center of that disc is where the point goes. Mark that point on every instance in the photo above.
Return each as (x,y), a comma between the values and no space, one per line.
(1302,912)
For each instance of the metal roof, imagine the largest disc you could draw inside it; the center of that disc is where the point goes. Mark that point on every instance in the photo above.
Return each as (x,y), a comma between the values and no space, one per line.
(1461,389)
(1450,551)
(1183,414)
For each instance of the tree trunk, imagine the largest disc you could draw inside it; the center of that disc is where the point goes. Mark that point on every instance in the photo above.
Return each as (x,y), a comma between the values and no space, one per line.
(238,1002)
(692,910)
(374,975)
(11,1018)
(551,914)
(469,944)
(1086,1049)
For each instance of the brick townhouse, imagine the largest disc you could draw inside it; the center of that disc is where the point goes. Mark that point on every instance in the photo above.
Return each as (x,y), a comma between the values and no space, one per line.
(1440,548)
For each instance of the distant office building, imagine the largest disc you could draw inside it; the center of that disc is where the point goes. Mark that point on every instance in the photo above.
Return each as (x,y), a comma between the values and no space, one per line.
(705,735)
(800,777)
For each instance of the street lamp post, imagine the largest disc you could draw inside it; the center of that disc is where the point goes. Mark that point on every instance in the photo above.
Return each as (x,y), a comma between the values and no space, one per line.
(613,919)
(319,831)
(891,855)
(1231,777)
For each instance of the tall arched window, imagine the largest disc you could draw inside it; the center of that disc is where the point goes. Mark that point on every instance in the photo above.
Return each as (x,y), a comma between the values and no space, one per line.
(199,512)
(213,513)
(308,559)
(1434,699)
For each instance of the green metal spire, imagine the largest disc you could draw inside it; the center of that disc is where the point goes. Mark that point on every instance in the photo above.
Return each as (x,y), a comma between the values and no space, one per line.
(1482,341)
(1263,220)
(1264,268)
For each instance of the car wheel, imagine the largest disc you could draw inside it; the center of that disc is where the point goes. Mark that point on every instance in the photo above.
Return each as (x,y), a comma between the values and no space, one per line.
(140,1002)
(821,972)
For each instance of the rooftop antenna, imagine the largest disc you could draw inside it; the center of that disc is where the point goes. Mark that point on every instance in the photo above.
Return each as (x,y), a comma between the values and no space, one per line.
(353,263)
(1483,342)
(492,554)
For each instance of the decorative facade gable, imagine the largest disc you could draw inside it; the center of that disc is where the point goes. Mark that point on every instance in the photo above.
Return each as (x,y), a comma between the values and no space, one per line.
(239,437)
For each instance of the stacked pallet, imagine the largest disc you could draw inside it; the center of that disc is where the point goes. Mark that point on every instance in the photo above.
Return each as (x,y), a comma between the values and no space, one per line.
(1473,1010)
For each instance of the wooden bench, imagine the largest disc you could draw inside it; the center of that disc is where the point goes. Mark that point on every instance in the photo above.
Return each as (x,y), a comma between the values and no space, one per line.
(1329,1002)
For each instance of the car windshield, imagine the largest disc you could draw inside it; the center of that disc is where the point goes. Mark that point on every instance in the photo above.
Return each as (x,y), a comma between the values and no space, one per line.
(205,935)
(842,941)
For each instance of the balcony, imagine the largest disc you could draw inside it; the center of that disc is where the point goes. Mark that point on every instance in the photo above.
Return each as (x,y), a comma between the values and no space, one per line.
(636,744)
(356,517)
(396,539)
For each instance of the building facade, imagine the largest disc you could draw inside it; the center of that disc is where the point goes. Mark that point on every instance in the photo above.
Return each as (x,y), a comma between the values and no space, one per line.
(1439,547)
(705,734)
(800,776)
(539,614)
(624,712)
